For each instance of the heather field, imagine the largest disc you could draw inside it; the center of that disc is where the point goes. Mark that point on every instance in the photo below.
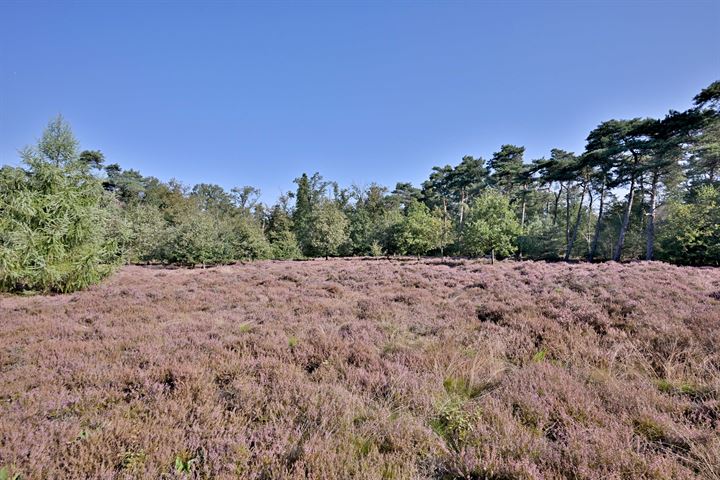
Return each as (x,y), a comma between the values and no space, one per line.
(367,368)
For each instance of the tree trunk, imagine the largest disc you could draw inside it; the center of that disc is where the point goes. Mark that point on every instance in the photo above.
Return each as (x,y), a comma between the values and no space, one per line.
(571,243)
(567,215)
(444,232)
(591,199)
(625,221)
(492,257)
(557,201)
(641,184)
(598,225)
(650,247)
(522,223)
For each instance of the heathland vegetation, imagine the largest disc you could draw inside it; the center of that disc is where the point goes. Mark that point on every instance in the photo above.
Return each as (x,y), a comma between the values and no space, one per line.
(643,189)
(367,368)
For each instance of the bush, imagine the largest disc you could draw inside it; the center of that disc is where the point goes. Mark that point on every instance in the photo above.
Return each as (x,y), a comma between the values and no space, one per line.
(142,233)
(197,239)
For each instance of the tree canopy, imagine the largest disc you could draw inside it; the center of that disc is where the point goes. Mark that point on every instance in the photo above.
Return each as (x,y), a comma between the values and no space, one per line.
(643,188)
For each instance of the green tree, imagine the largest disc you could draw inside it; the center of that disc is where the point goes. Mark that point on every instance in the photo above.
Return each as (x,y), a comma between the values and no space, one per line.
(438,193)
(92,159)
(626,145)
(541,239)
(310,193)
(367,219)
(466,182)
(128,185)
(246,238)
(285,246)
(328,229)
(52,221)
(143,230)
(213,199)
(404,194)
(283,242)
(582,170)
(600,163)
(419,231)
(197,238)
(506,166)
(704,160)
(691,231)
(58,144)
(492,226)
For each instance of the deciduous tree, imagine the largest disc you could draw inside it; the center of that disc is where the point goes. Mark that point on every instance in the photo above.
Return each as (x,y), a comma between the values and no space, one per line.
(492,226)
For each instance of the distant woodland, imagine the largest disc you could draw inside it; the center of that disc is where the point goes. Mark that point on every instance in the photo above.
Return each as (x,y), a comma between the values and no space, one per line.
(644,188)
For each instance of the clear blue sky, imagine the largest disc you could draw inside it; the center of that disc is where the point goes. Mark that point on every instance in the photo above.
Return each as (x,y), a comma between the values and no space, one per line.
(241,93)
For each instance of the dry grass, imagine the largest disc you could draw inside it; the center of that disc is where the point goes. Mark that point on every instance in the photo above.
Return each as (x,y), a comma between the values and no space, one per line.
(367,369)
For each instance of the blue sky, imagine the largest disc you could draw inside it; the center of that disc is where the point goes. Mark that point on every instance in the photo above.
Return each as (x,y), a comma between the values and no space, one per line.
(239,93)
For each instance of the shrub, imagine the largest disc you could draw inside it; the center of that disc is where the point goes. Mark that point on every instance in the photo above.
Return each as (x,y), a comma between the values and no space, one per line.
(142,233)
(197,239)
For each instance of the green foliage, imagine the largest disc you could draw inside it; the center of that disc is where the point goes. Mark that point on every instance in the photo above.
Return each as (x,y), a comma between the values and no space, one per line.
(691,390)
(197,239)
(285,247)
(649,429)
(133,460)
(184,463)
(328,230)
(128,185)
(58,144)
(542,239)
(452,423)
(247,240)
(419,231)
(376,250)
(310,194)
(463,388)
(66,218)
(492,226)
(142,231)
(369,221)
(212,199)
(53,228)
(92,158)
(283,242)
(690,234)
(6,475)
(540,355)
(507,166)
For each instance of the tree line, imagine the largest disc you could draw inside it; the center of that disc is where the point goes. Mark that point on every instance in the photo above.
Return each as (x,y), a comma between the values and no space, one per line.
(643,188)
